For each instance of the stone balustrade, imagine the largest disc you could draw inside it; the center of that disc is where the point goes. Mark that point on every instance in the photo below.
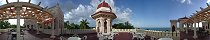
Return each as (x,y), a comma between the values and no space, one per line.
(162,34)
(123,30)
(5,30)
(153,33)
(78,31)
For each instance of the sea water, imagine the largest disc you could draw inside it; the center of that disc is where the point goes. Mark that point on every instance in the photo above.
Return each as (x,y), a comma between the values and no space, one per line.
(158,29)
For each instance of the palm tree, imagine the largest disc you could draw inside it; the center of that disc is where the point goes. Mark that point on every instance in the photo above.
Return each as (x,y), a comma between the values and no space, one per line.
(84,24)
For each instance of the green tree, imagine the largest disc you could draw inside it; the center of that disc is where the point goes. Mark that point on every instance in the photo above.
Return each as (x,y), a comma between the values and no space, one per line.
(4,24)
(13,26)
(128,25)
(1,24)
(66,25)
(71,25)
(74,26)
(125,25)
(84,24)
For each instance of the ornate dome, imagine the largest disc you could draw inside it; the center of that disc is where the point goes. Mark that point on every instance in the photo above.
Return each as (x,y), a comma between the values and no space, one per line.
(103,4)
(103,10)
(184,18)
(104,7)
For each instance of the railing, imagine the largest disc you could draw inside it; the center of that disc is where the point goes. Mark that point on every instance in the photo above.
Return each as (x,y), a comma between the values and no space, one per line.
(162,34)
(123,30)
(5,30)
(153,33)
(78,31)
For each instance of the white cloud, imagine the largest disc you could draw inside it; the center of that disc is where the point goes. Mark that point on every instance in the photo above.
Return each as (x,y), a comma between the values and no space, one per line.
(186,1)
(84,12)
(81,12)
(207,1)
(4,1)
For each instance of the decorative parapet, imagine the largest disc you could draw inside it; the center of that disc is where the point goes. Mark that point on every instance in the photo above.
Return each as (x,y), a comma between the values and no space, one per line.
(156,34)
(163,34)
(124,30)
(78,31)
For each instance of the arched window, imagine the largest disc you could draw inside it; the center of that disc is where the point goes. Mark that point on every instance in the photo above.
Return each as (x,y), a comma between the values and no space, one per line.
(173,28)
(105,26)
(99,24)
(110,25)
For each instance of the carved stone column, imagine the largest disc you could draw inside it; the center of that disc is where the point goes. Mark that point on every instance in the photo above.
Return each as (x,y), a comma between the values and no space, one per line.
(18,8)
(195,34)
(53,29)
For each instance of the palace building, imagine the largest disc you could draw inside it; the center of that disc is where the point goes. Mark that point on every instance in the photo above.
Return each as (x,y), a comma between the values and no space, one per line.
(43,23)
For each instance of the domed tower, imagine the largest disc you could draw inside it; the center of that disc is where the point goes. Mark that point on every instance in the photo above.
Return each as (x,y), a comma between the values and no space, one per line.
(182,22)
(103,16)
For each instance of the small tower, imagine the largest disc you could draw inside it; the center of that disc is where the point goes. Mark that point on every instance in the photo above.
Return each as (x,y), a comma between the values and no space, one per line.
(182,22)
(173,25)
(103,16)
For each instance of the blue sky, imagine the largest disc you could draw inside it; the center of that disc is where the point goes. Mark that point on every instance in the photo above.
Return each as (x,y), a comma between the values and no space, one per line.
(154,13)
(141,13)
(157,13)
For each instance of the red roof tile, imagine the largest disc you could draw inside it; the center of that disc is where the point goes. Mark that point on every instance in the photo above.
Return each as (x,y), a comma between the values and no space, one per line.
(103,4)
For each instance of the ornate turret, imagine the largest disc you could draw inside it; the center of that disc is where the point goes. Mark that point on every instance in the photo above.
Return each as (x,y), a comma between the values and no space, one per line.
(182,21)
(104,10)
(103,16)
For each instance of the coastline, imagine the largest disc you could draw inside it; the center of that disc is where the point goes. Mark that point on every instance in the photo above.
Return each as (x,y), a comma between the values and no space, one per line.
(158,29)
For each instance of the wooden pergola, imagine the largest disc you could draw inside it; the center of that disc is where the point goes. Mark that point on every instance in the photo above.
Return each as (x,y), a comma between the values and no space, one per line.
(24,10)
(28,11)
(200,16)
(203,15)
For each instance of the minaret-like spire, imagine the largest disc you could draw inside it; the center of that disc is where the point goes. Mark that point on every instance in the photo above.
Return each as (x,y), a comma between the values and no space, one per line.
(57,3)
(102,2)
